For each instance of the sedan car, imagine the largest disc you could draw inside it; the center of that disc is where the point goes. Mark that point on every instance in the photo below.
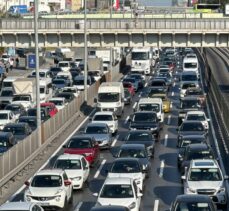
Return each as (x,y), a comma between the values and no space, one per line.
(198,116)
(101,134)
(17,109)
(31,120)
(142,137)
(59,84)
(44,113)
(21,206)
(128,167)
(83,145)
(122,191)
(193,202)
(76,168)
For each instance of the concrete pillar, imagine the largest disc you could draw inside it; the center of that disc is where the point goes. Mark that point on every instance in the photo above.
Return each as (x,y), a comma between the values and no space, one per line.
(130,40)
(159,40)
(45,39)
(16,39)
(116,40)
(1,38)
(73,40)
(31,40)
(101,40)
(203,40)
(188,39)
(59,39)
(144,39)
(217,40)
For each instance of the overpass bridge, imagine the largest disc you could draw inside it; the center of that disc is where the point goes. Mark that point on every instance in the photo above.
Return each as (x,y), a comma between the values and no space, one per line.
(135,32)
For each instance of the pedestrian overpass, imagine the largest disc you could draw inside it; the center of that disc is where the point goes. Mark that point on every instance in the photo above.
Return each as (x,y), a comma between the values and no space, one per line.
(132,32)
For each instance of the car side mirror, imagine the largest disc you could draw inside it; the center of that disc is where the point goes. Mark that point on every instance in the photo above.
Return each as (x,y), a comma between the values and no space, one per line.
(95,194)
(27,183)
(183,177)
(140,194)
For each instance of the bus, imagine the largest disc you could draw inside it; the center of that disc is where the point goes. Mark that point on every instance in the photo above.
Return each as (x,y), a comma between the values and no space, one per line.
(207,6)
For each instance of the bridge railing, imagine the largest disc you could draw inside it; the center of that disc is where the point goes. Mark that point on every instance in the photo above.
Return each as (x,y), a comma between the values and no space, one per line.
(127,24)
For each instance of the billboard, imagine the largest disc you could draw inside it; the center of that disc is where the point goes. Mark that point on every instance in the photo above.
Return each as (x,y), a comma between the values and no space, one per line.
(31,61)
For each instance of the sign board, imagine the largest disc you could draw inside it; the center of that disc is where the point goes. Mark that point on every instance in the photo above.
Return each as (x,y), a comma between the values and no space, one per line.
(226,9)
(31,59)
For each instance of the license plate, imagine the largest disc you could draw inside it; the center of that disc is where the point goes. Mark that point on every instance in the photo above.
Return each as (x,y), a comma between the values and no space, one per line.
(43,204)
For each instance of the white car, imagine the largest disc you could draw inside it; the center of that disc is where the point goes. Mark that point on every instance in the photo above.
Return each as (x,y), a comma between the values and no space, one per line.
(200,116)
(6,116)
(121,191)
(205,177)
(21,206)
(107,117)
(76,168)
(187,84)
(60,102)
(49,188)
(128,167)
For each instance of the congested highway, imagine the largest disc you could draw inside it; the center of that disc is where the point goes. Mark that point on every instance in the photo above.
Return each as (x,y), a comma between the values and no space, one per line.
(164,182)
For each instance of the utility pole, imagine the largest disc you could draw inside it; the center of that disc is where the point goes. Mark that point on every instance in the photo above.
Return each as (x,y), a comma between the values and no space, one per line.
(36,3)
(85,51)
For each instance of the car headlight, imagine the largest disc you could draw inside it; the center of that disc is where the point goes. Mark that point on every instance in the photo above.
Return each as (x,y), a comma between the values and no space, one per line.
(88,154)
(191,190)
(118,104)
(132,205)
(76,178)
(221,190)
(58,198)
(59,191)
(153,128)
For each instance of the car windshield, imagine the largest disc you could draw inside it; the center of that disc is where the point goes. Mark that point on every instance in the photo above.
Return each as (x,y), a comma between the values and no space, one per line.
(47,181)
(103,117)
(3,116)
(190,65)
(140,56)
(149,107)
(193,206)
(157,83)
(108,97)
(31,121)
(145,117)
(79,143)
(135,153)
(7,93)
(199,117)
(21,98)
(186,142)
(59,81)
(201,154)
(125,167)
(139,136)
(205,174)
(117,191)
(195,126)
(63,64)
(185,104)
(15,130)
(189,78)
(96,130)
(57,102)
(130,80)
(67,164)
(42,90)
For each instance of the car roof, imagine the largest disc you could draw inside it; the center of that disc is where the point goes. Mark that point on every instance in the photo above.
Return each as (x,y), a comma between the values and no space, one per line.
(50,172)
(57,98)
(18,124)
(123,159)
(16,206)
(132,146)
(150,100)
(195,112)
(120,180)
(69,157)
(193,197)
(206,163)
(5,111)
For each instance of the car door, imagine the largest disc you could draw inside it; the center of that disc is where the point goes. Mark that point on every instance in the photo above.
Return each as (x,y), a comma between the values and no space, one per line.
(85,168)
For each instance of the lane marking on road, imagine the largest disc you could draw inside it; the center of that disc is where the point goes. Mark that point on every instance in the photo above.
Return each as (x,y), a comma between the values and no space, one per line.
(156,205)
(115,140)
(162,166)
(166,140)
(134,105)
(100,168)
(169,120)
(171,105)
(146,84)
(172,93)
(140,94)
(54,154)
(174,84)
(78,206)
(126,120)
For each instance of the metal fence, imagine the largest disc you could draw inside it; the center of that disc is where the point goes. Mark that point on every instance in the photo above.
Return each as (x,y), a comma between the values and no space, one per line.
(16,158)
(103,24)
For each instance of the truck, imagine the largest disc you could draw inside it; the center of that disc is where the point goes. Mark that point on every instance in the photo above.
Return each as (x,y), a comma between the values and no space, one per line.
(105,55)
(111,97)
(17,10)
(142,60)
(25,92)
(95,66)
(65,54)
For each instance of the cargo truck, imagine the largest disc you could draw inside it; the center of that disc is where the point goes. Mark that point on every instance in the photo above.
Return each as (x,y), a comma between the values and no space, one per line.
(95,67)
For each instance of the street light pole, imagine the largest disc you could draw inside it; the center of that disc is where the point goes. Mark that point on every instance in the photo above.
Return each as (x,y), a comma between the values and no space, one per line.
(85,51)
(36,3)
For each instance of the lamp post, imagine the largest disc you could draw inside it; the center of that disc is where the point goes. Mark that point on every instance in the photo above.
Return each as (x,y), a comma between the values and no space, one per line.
(85,51)
(36,3)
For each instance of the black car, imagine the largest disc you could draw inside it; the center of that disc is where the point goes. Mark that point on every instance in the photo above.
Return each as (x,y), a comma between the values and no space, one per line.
(31,120)
(138,77)
(75,71)
(110,208)
(194,151)
(191,127)
(19,130)
(7,140)
(146,120)
(127,97)
(55,71)
(188,104)
(17,109)
(69,96)
(141,137)
(193,202)
(44,113)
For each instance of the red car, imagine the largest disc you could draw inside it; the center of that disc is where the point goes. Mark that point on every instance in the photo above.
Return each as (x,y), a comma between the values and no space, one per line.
(130,87)
(83,145)
(52,109)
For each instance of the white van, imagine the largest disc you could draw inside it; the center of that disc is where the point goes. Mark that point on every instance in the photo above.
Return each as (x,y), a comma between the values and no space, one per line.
(8,82)
(111,97)
(190,64)
(46,90)
(64,65)
(152,104)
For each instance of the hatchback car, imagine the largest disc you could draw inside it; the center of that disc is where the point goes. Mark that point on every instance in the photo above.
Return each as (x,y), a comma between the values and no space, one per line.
(76,168)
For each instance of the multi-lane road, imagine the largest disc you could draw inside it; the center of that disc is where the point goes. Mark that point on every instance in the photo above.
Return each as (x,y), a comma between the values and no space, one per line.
(164,182)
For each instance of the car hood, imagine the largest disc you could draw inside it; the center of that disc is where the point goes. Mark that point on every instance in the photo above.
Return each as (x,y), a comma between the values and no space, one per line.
(4,121)
(205,184)
(44,191)
(99,137)
(74,173)
(116,201)
(126,175)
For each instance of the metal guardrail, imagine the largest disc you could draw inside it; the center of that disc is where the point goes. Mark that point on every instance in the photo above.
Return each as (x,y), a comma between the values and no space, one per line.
(20,155)
(117,24)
